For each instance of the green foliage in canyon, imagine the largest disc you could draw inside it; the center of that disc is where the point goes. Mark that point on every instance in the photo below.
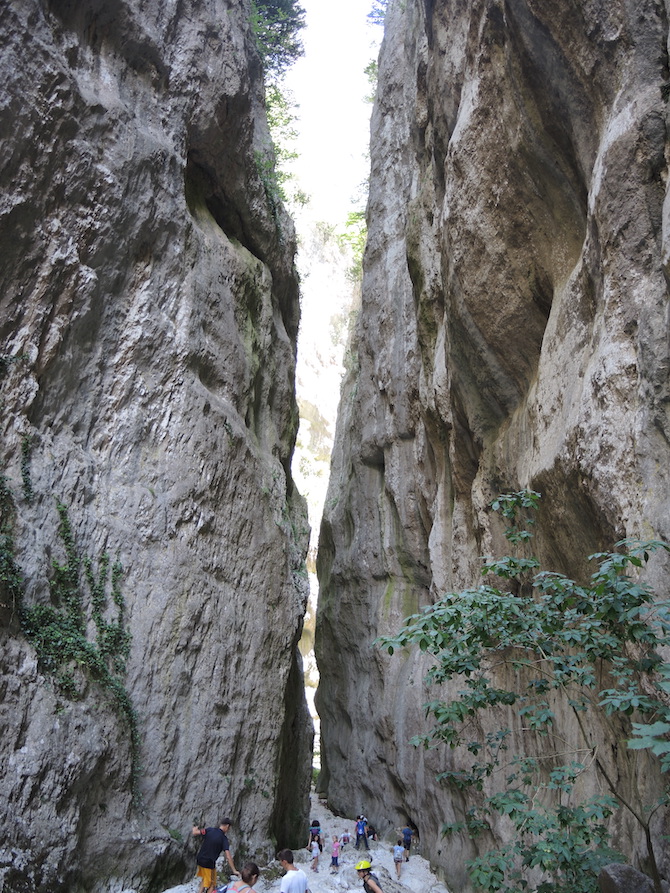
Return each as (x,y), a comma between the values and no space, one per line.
(533,647)
(80,634)
(11,578)
(59,631)
(655,736)
(277,25)
(282,122)
(371,72)
(354,237)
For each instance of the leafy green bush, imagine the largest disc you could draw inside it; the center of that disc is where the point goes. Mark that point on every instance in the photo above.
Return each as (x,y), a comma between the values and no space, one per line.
(591,648)
(655,736)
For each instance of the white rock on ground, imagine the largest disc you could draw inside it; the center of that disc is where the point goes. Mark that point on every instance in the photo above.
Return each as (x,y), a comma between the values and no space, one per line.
(417,875)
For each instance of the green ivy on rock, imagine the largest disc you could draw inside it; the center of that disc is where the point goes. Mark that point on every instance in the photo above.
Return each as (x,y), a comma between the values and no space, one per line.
(58,632)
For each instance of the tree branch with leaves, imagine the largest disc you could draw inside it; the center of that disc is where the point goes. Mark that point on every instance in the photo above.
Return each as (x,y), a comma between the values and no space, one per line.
(277,25)
(593,649)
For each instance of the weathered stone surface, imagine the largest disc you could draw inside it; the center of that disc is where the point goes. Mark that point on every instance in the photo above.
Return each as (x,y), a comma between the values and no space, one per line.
(513,332)
(618,878)
(149,304)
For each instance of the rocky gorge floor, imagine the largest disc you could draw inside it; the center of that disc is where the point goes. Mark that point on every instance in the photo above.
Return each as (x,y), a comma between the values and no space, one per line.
(416,876)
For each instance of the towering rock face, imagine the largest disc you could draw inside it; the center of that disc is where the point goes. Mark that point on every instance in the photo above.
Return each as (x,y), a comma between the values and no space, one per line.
(148,317)
(513,333)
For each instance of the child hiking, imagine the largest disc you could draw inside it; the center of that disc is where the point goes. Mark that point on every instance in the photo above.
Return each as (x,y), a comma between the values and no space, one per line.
(398,856)
(335,854)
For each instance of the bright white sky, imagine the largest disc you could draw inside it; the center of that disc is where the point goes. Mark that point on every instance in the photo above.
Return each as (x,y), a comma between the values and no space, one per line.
(329,86)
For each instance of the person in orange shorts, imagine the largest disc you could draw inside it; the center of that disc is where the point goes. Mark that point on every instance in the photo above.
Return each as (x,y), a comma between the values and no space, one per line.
(213,844)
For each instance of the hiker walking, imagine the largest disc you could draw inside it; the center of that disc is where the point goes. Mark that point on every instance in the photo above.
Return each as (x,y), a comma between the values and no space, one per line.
(315,853)
(362,831)
(407,834)
(398,856)
(214,842)
(335,854)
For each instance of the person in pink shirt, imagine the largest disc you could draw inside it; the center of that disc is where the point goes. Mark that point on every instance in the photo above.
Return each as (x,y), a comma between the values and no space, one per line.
(335,854)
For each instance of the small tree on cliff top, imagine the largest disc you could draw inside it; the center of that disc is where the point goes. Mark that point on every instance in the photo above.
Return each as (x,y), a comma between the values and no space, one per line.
(277,25)
(592,649)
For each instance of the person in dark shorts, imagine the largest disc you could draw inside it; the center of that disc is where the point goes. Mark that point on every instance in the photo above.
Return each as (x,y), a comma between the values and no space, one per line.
(214,842)
(362,831)
(407,834)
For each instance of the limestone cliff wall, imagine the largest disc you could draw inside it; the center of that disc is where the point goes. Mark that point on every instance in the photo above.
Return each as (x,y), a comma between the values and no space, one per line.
(148,322)
(514,332)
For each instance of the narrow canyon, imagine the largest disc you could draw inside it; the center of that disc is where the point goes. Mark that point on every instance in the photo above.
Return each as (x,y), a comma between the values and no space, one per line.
(513,334)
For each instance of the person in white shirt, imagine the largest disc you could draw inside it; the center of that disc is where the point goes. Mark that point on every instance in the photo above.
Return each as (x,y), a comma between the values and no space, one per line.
(315,855)
(295,880)
(399,855)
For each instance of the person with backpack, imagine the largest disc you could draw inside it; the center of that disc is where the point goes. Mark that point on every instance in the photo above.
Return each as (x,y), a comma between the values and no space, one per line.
(407,835)
(314,833)
(214,842)
(370,882)
(362,831)
(398,856)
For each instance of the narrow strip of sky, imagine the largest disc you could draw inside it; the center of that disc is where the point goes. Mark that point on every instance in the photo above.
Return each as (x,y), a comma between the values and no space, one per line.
(329,85)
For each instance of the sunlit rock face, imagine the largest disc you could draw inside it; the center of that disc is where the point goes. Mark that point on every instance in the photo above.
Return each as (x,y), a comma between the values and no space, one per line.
(513,333)
(148,316)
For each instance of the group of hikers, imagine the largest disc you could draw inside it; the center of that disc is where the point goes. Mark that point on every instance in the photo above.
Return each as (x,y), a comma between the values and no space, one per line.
(215,841)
